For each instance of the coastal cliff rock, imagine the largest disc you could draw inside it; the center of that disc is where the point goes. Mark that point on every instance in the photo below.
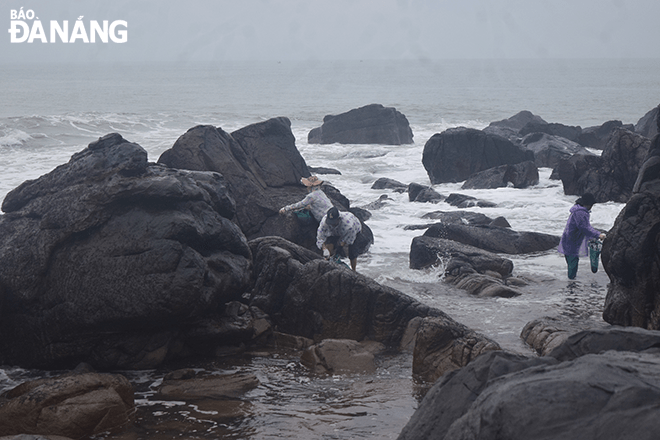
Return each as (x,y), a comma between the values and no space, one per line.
(72,406)
(108,258)
(458,153)
(510,128)
(631,255)
(371,124)
(520,175)
(610,177)
(647,125)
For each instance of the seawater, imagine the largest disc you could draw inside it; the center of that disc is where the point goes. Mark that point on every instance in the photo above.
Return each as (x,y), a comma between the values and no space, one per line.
(49,113)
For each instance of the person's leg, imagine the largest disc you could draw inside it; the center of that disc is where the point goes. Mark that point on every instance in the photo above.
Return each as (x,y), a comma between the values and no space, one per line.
(352,255)
(572,262)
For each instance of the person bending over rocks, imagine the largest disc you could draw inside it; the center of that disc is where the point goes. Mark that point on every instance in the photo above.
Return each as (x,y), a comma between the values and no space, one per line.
(577,233)
(340,235)
(315,204)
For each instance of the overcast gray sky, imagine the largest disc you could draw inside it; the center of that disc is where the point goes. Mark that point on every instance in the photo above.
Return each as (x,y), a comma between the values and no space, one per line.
(217,30)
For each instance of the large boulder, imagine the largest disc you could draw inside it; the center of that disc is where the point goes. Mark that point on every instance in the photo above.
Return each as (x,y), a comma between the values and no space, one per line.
(74,406)
(319,299)
(610,177)
(262,168)
(443,345)
(495,239)
(520,175)
(631,253)
(597,137)
(547,333)
(108,258)
(371,124)
(648,124)
(457,153)
(510,128)
(478,272)
(571,133)
(501,395)
(549,150)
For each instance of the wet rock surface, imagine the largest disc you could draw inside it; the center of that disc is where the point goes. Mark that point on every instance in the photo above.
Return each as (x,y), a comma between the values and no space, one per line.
(371,124)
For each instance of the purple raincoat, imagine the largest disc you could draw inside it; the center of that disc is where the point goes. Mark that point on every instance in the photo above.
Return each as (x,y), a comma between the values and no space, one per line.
(577,233)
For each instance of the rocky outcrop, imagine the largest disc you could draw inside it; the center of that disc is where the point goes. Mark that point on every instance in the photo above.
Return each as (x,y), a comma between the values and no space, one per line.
(74,406)
(598,136)
(458,153)
(502,395)
(603,338)
(510,128)
(190,386)
(443,345)
(648,124)
(571,133)
(108,259)
(318,299)
(371,124)
(495,239)
(262,168)
(520,175)
(423,194)
(549,150)
(463,201)
(631,256)
(610,177)
(386,183)
(478,272)
(547,333)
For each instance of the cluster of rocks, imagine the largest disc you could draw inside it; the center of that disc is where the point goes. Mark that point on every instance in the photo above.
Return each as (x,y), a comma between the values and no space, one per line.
(592,379)
(509,152)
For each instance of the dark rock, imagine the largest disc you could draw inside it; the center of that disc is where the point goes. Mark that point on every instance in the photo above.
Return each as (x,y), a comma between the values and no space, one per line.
(464,201)
(206,386)
(501,395)
(610,177)
(500,222)
(443,345)
(477,271)
(385,183)
(631,254)
(464,217)
(550,150)
(510,128)
(75,406)
(322,170)
(547,333)
(318,299)
(571,133)
(262,168)
(457,153)
(108,258)
(423,194)
(371,124)
(648,124)
(520,175)
(495,239)
(597,137)
(336,356)
(601,340)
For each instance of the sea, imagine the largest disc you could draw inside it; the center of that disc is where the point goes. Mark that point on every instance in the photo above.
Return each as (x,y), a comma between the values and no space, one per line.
(49,112)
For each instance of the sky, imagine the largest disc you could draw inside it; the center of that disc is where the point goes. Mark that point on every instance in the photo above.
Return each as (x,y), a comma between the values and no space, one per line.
(219,30)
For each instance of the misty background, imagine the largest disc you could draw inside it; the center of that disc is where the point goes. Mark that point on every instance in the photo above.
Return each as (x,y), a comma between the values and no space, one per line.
(221,30)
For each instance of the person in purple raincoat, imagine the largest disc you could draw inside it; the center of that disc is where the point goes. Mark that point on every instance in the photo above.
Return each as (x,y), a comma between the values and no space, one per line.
(578,232)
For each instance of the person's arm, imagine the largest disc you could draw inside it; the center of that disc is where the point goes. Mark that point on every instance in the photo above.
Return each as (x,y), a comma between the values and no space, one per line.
(296,206)
(322,233)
